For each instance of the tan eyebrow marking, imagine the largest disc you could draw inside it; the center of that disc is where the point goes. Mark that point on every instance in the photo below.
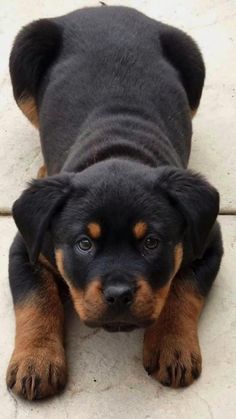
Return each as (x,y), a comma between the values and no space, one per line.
(94,230)
(140,230)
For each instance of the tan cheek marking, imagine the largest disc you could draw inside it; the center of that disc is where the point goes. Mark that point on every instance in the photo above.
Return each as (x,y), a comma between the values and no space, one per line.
(93,299)
(78,301)
(140,230)
(143,303)
(76,294)
(94,230)
(150,303)
(93,290)
(89,304)
(29,109)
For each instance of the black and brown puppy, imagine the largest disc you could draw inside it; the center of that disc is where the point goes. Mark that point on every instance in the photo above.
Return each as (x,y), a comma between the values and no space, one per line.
(119,218)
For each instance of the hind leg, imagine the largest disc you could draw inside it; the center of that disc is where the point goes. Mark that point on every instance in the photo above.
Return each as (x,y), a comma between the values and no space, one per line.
(35,48)
(42,172)
(183,53)
(28,106)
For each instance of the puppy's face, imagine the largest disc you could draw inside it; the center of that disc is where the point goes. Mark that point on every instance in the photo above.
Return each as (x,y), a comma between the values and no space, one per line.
(118,247)
(119,239)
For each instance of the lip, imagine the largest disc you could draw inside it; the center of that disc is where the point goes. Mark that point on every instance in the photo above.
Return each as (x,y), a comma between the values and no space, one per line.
(119,327)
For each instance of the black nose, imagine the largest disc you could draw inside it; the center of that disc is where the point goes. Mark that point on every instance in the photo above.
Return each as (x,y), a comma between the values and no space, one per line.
(120,294)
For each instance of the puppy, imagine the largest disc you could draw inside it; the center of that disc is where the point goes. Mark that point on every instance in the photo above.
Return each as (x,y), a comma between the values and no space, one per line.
(116,215)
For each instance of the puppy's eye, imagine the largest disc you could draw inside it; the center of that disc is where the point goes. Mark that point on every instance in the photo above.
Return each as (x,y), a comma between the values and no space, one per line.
(83,245)
(150,243)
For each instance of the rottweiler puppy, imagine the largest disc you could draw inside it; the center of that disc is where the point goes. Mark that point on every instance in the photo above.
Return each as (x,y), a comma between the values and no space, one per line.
(116,215)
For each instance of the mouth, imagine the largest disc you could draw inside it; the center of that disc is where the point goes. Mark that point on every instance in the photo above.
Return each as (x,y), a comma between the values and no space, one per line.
(119,327)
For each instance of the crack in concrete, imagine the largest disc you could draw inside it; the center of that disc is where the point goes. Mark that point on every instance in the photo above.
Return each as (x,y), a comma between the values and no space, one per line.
(66,413)
(206,403)
(15,405)
(5,212)
(215,22)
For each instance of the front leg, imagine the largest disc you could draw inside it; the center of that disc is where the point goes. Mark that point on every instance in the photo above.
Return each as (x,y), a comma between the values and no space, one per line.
(171,348)
(37,368)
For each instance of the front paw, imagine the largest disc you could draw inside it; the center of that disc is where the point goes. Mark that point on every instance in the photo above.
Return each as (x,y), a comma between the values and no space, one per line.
(172,360)
(36,374)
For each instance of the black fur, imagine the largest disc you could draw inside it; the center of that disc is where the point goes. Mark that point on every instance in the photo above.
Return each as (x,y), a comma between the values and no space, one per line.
(206,268)
(24,278)
(196,200)
(35,48)
(114,91)
(35,208)
(184,55)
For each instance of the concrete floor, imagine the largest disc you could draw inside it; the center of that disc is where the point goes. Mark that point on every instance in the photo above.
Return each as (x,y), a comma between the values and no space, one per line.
(106,375)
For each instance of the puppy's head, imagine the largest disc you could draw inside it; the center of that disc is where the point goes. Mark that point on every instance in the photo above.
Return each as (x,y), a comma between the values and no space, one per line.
(121,232)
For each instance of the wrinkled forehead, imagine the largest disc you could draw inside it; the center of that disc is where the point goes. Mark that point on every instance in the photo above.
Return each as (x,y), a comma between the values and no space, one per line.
(112,211)
(117,195)
(119,212)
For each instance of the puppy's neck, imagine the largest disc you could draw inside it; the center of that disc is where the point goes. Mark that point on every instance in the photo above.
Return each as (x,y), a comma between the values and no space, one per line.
(121,132)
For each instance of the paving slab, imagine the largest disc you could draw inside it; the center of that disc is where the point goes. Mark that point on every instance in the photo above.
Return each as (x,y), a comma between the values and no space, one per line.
(211,23)
(106,377)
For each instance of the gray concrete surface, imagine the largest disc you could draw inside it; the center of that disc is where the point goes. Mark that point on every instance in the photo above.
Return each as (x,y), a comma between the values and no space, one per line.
(107,379)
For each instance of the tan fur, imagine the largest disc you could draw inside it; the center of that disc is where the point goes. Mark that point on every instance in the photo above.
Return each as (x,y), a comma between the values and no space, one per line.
(45,262)
(42,172)
(140,230)
(37,367)
(94,230)
(159,298)
(171,347)
(148,303)
(193,113)
(89,303)
(28,107)
(143,305)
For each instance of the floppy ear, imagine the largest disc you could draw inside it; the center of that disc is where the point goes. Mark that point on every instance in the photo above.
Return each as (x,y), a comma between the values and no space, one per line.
(195,199)
(34,209)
